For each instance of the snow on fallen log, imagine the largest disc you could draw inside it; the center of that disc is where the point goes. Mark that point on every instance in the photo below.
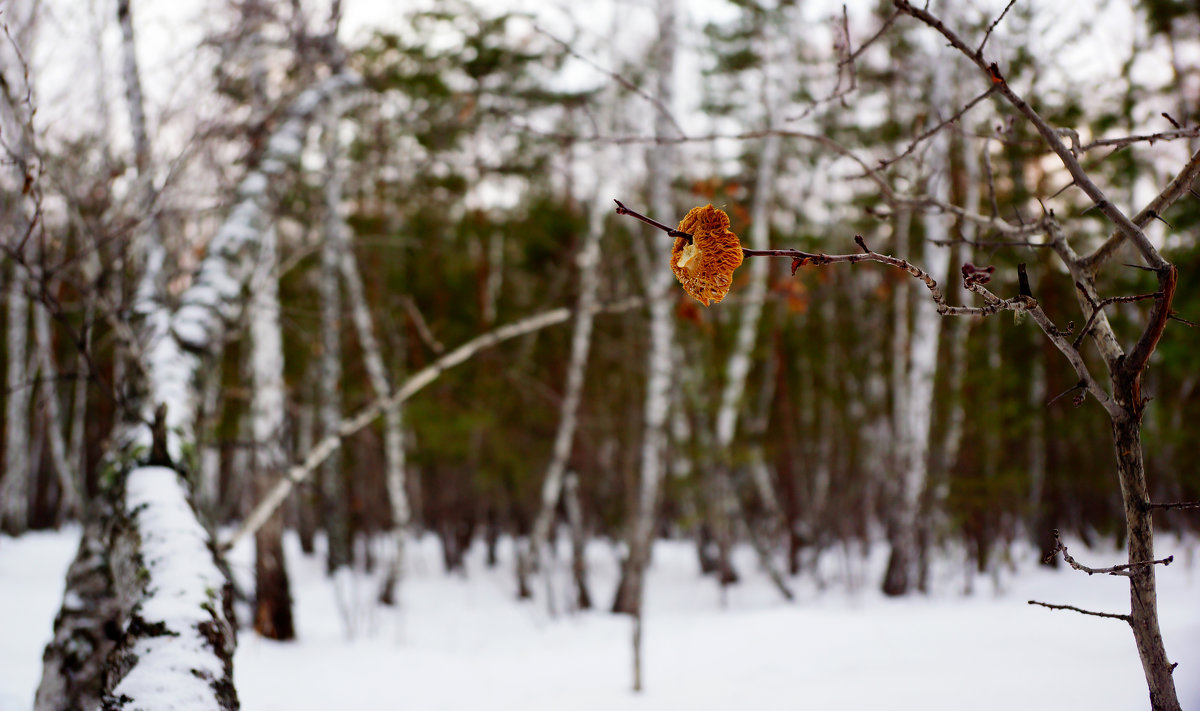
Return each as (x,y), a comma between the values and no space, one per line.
(177,649)
(147,619)
(145,622)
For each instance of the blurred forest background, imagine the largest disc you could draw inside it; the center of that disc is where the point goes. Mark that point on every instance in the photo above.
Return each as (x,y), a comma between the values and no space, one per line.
(466,181)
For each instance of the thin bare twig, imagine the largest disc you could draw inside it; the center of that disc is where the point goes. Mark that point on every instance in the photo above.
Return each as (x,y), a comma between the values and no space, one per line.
(862,47)
(1080,386)
(1097,307)
(987,35)
(1124,570)
(1177,188)
(1072,608)
(658,105)
(928,134)
(1127,227)
(423,330)
(1174,505)
(993,303)
(1123,141)
(671,231)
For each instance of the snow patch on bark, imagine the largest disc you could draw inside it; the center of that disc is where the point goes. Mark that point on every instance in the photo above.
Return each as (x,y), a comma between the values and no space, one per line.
(176,667)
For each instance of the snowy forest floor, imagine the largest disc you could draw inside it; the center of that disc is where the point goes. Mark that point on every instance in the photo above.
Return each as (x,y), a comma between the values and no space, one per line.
(463,642)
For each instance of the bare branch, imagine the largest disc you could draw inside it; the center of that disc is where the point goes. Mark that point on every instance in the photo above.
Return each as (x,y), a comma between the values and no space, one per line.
(853,56)
(415,383)
(1123,141)
(1080,386)
(928,134)
(671,231)
(423,330)
(658,105)
(987,35)
(1124,570)
(1180,185)
(1072,608)
(1174,505)
(1129,229)
(1097,308)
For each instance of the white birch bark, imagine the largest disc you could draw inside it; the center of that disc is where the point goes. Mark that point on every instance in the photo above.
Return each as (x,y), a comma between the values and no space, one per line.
(393,413)
(329,379)
(754,275)
(147,252)
(273,613)
(917,414)
(14,487)
(659,366)
(954,341)
(583,597)
(15,482)
(588,260)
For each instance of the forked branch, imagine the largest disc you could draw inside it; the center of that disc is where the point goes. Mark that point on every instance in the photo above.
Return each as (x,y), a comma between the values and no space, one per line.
(971,281)
(1126,569)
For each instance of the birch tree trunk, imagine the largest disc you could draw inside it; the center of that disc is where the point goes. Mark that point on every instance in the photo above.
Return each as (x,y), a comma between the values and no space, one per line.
(146,567)
(15,117)
(954,338)
(901,574)
(659,366)
(329,381)
(581,341)
(583,597)
(272,598)
(146,252)
(393,412)
(14,487)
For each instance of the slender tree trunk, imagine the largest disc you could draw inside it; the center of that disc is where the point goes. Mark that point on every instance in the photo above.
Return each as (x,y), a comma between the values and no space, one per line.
(583,598)
(272,599)
(76,452)
(738,366)
(581,341)
(209,490)
(305,506)
(15,124)
(662,334)
(1143,616)
(335,515)
(393,413)
(70,504)
(146,252)
(902,575)
(14,486)
(954,338)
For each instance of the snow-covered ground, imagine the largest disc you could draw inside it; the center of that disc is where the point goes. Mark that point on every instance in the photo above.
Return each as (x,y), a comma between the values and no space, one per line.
(465,643)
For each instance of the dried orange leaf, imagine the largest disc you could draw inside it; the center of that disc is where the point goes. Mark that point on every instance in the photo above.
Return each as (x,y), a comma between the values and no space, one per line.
(705,267)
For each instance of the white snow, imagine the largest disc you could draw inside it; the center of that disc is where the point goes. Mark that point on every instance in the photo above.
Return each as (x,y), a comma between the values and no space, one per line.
(465,643)
(172,671)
